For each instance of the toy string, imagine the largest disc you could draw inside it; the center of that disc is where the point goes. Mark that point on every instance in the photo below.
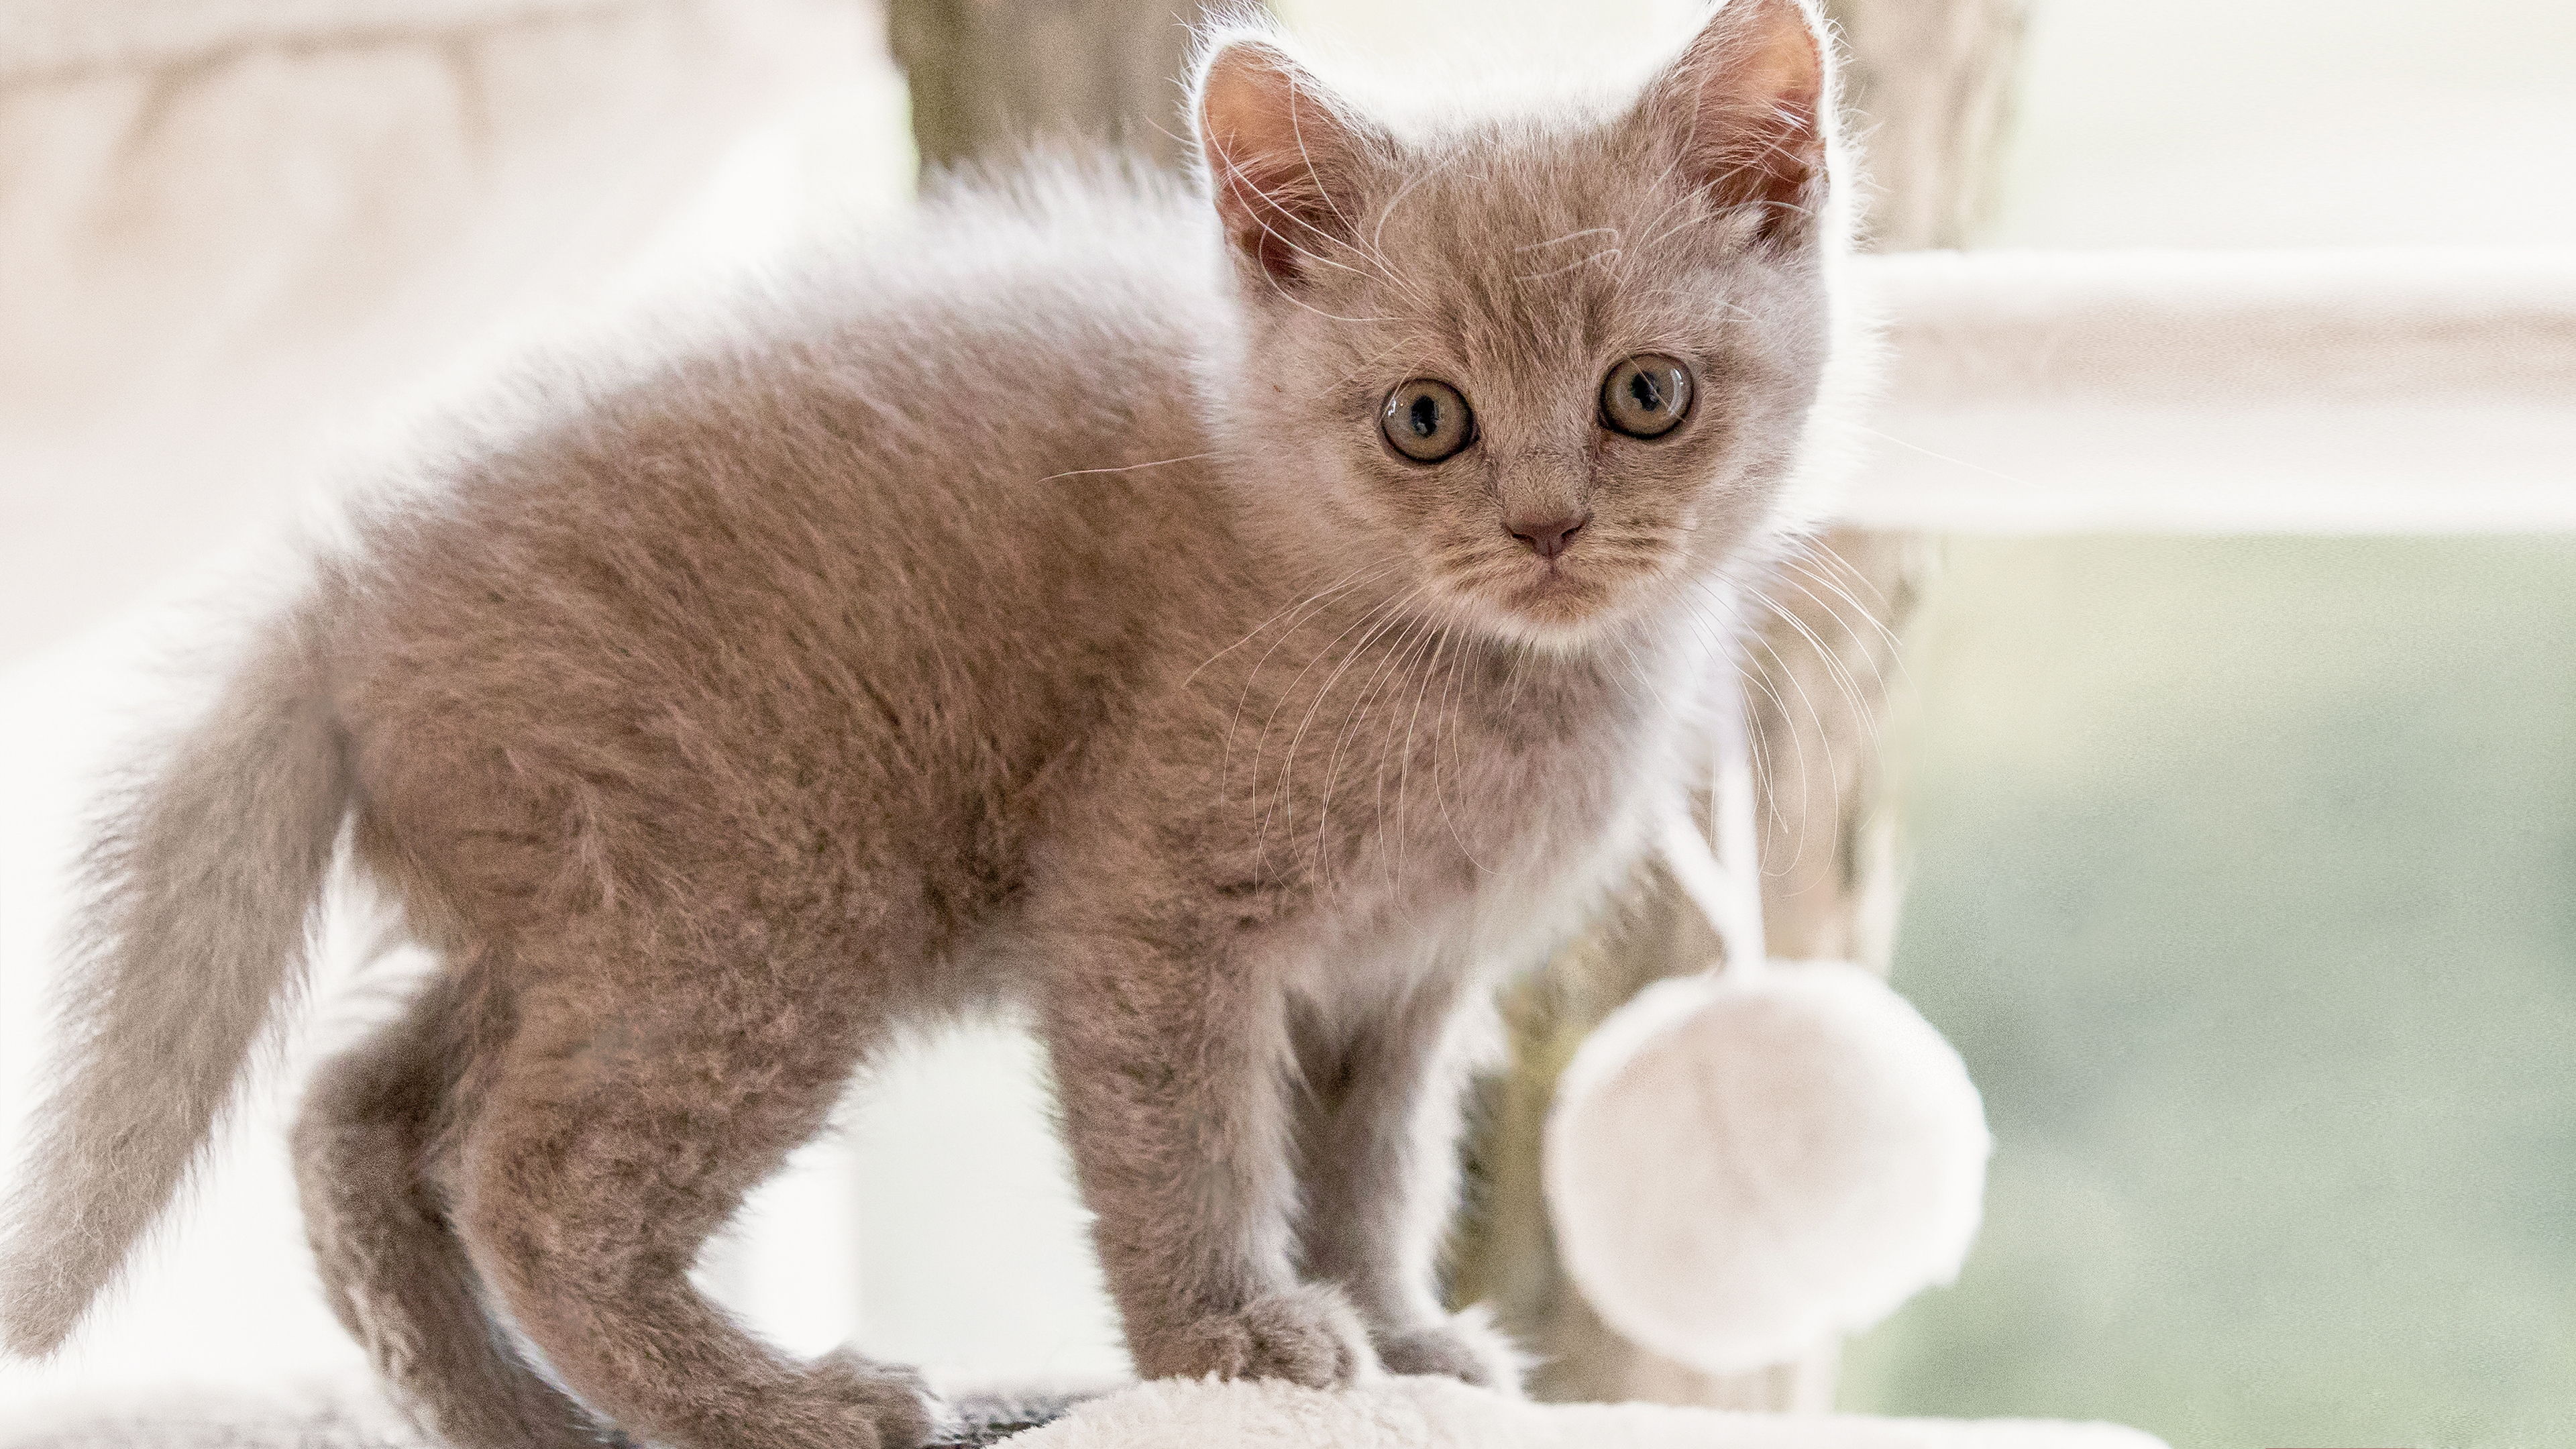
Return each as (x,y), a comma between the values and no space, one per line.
(1724,880)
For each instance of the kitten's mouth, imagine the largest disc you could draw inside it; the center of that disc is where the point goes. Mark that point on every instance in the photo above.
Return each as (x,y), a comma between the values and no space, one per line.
(1554,594)
(1556,602)
(1551,579)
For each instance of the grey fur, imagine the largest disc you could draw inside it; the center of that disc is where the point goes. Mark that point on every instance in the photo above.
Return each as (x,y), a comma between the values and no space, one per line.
(1032,612)
(198,892)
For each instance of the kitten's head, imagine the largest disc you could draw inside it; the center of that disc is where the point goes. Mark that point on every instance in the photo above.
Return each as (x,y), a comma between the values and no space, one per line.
(1540,373)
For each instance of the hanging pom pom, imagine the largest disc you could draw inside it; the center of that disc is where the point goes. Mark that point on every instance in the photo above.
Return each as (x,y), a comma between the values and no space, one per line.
(1741,1165)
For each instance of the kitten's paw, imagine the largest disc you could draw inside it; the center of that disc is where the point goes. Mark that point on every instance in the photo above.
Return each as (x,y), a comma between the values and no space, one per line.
(889,1399)
(1467,1346)
(1307,1335)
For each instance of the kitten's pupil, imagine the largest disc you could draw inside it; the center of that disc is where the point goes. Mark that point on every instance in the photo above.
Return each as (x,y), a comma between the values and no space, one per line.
(1642,390)
(1425,416)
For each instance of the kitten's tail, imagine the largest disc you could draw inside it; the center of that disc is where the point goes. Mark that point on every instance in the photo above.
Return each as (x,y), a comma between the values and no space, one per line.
(200,885)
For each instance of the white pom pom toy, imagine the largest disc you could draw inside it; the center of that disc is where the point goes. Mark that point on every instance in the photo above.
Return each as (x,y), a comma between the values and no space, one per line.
(1743,1163)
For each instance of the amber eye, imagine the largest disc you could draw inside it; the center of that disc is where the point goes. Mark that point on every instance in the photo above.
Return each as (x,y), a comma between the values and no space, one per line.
(1646,396)
(1427,421)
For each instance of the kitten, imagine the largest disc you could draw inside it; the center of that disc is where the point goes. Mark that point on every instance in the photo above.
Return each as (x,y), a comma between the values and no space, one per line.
(1224,627)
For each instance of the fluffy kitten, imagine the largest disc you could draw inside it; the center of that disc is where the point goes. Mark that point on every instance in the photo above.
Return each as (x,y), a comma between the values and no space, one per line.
(1225,627)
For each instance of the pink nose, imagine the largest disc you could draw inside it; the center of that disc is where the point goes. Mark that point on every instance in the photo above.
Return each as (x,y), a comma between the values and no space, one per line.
(1547,535)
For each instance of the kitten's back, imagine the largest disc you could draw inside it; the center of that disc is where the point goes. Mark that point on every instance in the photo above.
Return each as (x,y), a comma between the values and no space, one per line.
(871,553)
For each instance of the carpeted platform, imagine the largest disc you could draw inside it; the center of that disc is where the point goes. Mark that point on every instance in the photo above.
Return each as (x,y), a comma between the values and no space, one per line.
(355,1416)
(1406,1413)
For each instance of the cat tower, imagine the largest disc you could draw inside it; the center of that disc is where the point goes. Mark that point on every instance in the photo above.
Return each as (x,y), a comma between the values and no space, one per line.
(1397,1414)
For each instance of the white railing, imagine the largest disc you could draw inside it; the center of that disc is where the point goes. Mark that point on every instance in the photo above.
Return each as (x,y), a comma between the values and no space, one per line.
(2349,391)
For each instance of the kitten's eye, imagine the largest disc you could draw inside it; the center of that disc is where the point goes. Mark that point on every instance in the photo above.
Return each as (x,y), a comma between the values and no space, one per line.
(1427,421)
(1646,396)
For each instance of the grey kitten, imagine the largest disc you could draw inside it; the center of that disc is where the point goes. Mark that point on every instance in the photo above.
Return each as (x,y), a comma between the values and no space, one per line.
(1224,626)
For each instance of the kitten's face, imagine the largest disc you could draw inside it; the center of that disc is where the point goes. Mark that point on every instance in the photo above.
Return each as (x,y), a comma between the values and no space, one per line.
(1500,312)
(1539,380)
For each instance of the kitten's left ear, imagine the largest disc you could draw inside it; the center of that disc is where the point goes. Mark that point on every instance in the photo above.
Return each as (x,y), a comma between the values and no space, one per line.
(1283,158)
(1746,104)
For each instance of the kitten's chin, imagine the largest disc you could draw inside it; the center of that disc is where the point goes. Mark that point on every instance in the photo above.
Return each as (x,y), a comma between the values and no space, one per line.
(1558,610)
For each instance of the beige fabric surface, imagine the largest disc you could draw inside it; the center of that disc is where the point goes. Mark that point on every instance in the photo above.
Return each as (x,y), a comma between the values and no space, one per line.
(40,37)
(1404,1413)
(229,225)
(1418,1413)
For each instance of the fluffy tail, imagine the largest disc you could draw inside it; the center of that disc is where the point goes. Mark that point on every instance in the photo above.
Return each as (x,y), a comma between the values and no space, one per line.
(201,887)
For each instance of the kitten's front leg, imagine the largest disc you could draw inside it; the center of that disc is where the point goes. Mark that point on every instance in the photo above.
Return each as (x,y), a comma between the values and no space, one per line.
(1170,1067)
(1379,1140)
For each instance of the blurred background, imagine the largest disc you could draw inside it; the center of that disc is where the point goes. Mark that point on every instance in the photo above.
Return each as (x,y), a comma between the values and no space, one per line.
(2241,870)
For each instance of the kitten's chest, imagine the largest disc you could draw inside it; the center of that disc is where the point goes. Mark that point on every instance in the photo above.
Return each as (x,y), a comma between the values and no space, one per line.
(1533,798)
(1516,855)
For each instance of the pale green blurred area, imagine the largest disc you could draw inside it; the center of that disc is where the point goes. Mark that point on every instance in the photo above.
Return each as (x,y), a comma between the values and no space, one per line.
(2243,871)
(2244,876)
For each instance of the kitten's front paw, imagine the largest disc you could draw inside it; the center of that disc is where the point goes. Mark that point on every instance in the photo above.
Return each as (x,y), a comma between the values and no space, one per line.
(1468,1347)
(888,1406)
(1307,1335)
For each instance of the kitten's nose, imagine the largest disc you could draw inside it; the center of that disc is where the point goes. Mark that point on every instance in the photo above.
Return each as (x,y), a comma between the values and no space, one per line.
(1548,534)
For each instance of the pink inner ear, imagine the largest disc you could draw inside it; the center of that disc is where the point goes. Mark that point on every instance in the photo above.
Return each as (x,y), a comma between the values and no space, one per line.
(1275,145)
(1750,91)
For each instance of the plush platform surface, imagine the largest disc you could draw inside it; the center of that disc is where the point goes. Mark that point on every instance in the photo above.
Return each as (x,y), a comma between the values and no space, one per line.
(1414,1413)
(1392,1414)
(350,1416)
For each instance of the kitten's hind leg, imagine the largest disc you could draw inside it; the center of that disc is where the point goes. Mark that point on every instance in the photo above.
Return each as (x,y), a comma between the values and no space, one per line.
(635,1106)
(390,1261)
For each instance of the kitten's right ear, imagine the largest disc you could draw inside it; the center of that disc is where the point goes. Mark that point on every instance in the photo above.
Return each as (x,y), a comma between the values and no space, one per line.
(1283,158)
(1748,106)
